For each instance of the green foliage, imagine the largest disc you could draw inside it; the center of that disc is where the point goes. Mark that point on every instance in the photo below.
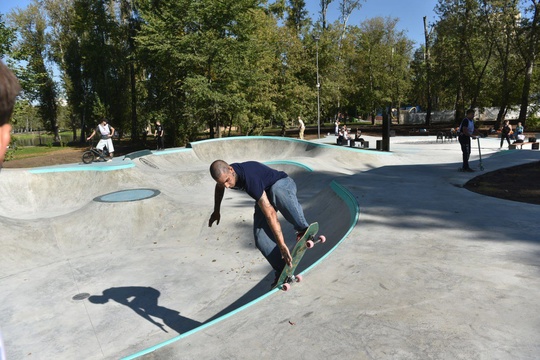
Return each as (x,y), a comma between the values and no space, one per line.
(7,37)
(379,65)
(35,78)
(206,64)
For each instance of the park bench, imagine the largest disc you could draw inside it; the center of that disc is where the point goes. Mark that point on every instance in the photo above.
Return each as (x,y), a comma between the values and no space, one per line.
(419,132)
(534,145)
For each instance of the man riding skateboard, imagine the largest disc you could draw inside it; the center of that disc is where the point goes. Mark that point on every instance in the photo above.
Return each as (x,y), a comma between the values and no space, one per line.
(273,191)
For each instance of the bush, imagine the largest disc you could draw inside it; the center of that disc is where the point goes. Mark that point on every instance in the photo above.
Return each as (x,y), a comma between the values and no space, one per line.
(533,123)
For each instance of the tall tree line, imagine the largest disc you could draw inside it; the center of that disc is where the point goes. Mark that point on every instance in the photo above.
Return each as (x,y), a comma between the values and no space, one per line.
(483,54)
(249,64)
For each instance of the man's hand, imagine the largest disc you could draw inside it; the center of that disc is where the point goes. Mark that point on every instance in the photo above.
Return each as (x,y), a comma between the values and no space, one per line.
(286,255)
(214,217)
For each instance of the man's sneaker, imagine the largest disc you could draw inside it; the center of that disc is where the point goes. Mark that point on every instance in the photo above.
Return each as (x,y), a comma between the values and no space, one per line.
(275,280)
(466,170)
(299,234)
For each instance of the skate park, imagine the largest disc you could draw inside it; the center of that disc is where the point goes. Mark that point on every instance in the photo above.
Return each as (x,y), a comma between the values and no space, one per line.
(116,260)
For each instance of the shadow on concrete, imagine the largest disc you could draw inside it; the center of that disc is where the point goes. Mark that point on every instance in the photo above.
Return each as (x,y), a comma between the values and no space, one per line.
(144,301)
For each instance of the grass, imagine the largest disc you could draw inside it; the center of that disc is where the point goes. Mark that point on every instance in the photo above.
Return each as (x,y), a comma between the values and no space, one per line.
(34,135)
(32,151)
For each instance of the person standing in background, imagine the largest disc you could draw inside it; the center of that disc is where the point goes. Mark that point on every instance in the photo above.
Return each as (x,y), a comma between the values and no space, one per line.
(158,134)
(506,130)
(466,133)
(301,128)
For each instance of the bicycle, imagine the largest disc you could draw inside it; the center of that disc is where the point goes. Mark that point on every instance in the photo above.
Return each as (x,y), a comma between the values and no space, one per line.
(94,154)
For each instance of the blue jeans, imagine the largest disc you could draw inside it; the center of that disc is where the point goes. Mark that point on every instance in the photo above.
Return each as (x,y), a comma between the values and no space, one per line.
(282,195)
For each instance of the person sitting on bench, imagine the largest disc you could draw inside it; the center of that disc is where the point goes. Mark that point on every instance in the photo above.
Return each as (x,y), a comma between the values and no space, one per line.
(343,136)
(358,138)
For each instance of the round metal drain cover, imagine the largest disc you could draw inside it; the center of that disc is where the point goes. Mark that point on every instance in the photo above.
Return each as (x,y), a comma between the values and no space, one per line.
(81,296)
(128,195)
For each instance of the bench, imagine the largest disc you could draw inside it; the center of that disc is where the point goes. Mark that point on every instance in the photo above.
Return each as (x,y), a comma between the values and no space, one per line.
(421,132)
(353,143)
(446,136)
(359,144)
(534,145)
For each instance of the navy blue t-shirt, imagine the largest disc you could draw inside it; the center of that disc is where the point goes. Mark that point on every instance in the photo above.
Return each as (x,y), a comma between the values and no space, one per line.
(254,178)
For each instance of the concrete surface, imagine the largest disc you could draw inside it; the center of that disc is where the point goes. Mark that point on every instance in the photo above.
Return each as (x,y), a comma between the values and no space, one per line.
(416,267)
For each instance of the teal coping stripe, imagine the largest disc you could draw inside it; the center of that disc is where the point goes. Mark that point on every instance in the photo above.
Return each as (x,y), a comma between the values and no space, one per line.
(354,209)
(288,162)
(81,168)
(177,150)
(277,138)
(170,151)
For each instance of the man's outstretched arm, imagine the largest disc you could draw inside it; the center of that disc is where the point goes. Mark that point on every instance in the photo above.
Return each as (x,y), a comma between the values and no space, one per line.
(218,197)
(271,217)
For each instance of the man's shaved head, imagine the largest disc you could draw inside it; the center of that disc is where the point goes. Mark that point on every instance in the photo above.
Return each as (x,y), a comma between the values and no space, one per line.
(218,168)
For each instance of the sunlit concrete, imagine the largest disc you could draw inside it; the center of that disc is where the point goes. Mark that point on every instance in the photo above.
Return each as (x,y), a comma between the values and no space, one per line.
(415,267)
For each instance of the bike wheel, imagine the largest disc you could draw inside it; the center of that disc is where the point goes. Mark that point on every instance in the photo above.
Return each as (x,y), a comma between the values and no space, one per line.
(88,157)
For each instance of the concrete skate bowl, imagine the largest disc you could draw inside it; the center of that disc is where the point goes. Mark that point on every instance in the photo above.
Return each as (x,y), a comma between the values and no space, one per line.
(116,275)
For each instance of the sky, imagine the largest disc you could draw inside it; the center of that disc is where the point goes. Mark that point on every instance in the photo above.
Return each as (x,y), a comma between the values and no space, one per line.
(409,12)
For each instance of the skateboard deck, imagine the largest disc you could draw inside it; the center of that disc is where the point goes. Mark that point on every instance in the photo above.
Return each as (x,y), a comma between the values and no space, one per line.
(306,242)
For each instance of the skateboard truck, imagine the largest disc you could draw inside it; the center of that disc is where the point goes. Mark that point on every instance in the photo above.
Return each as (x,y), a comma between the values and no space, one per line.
(289,280)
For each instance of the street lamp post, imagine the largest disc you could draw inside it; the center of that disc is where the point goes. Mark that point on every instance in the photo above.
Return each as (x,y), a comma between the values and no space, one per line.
(316,38)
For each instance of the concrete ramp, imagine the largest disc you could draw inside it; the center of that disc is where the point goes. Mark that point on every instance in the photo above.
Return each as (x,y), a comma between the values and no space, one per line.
(89,272)
(116,260)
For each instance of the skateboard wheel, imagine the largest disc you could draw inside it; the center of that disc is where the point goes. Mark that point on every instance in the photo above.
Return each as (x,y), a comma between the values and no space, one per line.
(322,239)
(298,278)
(310,244)
(286,287)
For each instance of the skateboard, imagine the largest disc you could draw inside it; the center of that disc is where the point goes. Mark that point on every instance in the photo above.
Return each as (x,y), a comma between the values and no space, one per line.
(307,241)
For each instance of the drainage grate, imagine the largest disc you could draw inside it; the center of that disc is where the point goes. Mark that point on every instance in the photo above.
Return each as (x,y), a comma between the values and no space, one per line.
(80,296)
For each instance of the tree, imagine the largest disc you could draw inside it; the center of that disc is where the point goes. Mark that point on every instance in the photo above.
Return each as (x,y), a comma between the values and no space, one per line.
(324,10)
(501,17)
(7,37)
(462,54)
(207,73)
(531,41)
(380,68)
(298,15)
(346,8)
(36,79)
(427,60)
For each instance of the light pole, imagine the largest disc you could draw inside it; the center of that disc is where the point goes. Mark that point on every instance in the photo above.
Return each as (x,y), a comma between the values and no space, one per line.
(317,38)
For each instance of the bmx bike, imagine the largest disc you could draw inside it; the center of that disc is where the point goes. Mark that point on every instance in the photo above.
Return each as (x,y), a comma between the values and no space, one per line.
(94,154)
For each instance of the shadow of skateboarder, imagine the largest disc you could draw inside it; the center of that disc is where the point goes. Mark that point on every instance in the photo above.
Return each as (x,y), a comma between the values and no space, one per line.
(144,301)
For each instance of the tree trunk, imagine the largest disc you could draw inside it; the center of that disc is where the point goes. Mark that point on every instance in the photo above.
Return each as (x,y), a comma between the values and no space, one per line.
(531,56)
(134,127)
(428,75)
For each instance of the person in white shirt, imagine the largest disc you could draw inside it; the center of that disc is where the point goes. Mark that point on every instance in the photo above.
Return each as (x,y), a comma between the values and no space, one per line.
(301,128)
(106,133)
